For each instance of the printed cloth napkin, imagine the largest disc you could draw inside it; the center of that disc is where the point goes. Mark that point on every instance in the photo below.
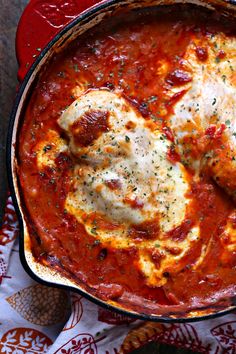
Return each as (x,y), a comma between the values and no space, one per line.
(38,319)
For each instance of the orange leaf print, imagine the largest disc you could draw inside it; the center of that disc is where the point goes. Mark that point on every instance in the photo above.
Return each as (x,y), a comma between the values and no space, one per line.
(24,340)
(83,343)
(76,312)
(113,318)
(41,304)
(10,227)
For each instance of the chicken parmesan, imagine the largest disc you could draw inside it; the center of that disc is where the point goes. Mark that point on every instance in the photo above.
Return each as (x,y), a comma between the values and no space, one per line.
(127,160)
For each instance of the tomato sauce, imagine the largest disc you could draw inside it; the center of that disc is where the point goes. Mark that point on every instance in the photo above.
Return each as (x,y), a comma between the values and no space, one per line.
(128,55)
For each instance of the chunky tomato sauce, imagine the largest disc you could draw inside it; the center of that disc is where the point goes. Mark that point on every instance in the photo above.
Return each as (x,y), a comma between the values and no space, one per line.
(127,55)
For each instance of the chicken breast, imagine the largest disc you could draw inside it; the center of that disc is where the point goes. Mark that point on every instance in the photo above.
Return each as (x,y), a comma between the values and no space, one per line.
(123,176)
(204,119)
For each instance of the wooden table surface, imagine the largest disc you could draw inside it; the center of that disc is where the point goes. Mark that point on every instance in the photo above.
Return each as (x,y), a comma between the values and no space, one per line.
(10,11)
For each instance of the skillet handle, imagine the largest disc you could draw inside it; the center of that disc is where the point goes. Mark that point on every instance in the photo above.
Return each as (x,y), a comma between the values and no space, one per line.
(39,23)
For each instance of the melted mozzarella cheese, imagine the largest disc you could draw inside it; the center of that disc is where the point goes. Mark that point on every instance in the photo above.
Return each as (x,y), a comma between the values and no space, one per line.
(135,158)
(125,177)
(209,101)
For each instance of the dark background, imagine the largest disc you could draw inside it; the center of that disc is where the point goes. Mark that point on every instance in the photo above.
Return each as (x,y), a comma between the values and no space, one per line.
(10,12)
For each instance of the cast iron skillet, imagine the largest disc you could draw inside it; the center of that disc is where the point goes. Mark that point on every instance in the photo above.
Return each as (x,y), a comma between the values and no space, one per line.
(39,272)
